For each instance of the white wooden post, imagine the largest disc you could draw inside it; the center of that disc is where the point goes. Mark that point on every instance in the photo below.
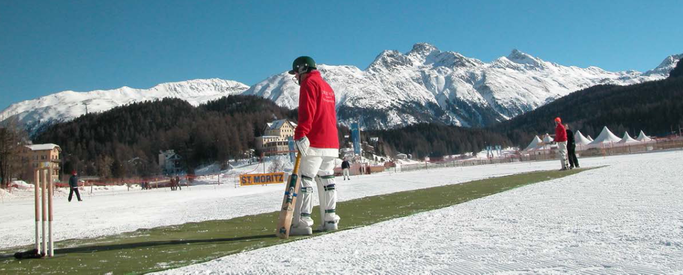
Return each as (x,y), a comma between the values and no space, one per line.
(36,185)
(50,192)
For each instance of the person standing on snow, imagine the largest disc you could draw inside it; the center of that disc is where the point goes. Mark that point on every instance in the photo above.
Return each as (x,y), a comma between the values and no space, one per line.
(345,169)
(561,140)
(73,186)
(571,149)
(316,139)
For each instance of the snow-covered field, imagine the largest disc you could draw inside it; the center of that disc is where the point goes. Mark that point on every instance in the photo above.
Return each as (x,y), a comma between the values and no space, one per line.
(116,210)
(622,218)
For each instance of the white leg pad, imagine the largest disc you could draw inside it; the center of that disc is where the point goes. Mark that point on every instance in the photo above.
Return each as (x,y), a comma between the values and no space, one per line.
(321,199)
(328,190)
(304,204)
(309,168)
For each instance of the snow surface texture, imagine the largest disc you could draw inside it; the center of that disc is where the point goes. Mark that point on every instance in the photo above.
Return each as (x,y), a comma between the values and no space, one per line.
(68,105)
(423,85)
(624,218)
(116,210)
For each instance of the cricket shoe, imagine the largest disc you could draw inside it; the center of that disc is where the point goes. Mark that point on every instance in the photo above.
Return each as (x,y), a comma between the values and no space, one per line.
(328,226)
(300,231)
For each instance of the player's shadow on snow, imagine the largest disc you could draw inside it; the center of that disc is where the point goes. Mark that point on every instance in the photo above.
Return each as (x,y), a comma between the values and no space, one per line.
(99,248)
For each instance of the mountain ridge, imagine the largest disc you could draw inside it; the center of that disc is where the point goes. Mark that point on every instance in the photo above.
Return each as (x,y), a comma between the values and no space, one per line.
(397,89)
(37,114)
(429,85)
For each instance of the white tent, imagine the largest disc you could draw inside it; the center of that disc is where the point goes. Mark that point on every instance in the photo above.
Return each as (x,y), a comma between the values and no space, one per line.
(627,139)
(605,138)
(589,138)
(536,143)
(642,137)
(547,139)
(579,139)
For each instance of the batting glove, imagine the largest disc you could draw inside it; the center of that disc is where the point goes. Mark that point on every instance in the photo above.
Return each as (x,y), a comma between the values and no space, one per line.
(302,145)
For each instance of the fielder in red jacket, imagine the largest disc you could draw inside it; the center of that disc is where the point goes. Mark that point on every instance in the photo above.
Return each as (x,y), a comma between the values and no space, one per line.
(561,140)
(317,142)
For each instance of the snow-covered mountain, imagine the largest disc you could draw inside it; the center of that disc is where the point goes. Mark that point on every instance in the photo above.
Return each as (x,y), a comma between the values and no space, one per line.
(64,106)
(426,85)
(397,89)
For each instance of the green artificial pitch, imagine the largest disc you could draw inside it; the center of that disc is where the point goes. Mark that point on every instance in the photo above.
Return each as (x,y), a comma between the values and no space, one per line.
(155,249)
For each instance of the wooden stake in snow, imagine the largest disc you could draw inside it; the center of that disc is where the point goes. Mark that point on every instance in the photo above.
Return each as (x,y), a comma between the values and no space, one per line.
(50,192)
(44,191)
(36,186)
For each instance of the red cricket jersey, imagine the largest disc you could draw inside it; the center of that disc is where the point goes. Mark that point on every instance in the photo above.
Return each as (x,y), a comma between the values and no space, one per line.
(317,114)
(560,133)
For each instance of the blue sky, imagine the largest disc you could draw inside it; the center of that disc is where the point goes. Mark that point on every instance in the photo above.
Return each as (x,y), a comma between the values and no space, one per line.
(52,46)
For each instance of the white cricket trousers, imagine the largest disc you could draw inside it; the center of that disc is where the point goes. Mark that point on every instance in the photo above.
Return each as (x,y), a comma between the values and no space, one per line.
(562,152)
(321,170)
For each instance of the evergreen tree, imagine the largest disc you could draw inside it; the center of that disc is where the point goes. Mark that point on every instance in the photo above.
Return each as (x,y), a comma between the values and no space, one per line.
(126,140)
(677,71)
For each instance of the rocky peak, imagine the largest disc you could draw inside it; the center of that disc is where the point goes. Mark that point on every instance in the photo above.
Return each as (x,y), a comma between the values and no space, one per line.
(390,60)
(520,57)
(422,49)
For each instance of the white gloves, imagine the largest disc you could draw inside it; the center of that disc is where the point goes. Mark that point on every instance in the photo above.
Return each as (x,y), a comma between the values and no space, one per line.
(302,145)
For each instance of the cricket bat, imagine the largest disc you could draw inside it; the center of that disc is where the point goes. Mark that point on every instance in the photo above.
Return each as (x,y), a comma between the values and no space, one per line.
(289,201)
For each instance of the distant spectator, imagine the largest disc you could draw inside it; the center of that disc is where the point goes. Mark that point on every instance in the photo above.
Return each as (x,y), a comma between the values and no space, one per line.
(345,169)
(73,186)
(571,149)
(561,140)
(177,182)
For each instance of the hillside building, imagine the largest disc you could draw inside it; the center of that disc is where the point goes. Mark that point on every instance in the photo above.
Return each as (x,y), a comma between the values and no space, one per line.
(35,154)
(170,162)
(275,137)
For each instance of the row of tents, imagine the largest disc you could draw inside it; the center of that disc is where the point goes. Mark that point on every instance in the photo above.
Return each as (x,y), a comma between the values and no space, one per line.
(606,138)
